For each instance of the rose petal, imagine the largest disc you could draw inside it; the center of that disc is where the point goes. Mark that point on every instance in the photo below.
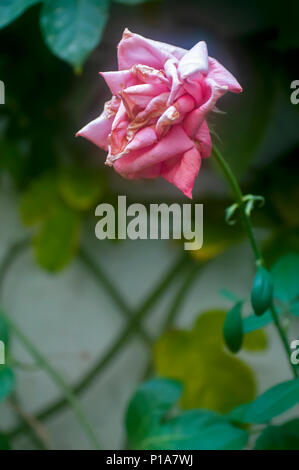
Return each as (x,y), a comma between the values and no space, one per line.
(138,97)
(119,80)
(98,130)
(195,119)
(181,172)
(172,74)
(203,137)
(134,49)
(147,74)
(195,62)
(144,138)
(222,76)
(176,142)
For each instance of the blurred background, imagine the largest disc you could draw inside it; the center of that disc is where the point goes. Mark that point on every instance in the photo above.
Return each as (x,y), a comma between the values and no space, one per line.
(72,295)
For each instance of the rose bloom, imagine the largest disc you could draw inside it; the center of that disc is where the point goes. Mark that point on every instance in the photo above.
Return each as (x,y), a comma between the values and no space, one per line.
(155,123)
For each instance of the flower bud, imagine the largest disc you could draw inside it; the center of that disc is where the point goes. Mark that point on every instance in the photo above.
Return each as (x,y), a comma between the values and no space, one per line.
(233,329)
(262,291)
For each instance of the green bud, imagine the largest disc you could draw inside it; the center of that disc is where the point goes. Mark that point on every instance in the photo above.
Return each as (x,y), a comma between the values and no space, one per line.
(233,328)
(262,291)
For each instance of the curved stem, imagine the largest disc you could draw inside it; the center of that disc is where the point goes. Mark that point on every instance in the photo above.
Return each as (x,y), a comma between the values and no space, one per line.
(38,433)
(57,378)
(259,260)
(121,340)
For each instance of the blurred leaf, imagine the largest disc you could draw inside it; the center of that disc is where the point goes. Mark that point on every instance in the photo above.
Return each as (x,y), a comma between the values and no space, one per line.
(73,28)
(270,404)
(283,437)
(58,239)
(212,378)
(151,402)
(253,322)
(285,277)
(294,310)
(4,443)
(80,188)
(11,9)
(7,381)
(233,328)
(227,294)
(4,331)
(38,200)
(255,341)
(150,428)
(132,2)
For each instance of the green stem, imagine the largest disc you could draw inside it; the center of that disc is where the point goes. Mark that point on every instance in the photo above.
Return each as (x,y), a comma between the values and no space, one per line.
(259,260)
(121,340)
(36,430)
(57,378)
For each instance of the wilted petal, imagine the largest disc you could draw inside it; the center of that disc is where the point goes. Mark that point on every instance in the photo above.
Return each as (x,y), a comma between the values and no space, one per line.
(138,97)
(172,74)
(176,142)
(203,138)
(222,76)
(181,172)
(147,74)
(142,139)
(98,130)
(195,62)
(135,49)
(119,80)
(195,119)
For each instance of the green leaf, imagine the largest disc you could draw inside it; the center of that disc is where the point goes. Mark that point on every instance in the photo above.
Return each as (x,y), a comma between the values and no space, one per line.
(283,437)
(273,402)
(7,381)
(151,427)
(255,341)
(58,239)
(150,403)
(233,328)
(132,2)
(294,310)
(4,331)
(285,277)
(261,292)
(253,322)
(212,378)
(38,200)
(11,9)
(73,28)
(4,443)
(80,188)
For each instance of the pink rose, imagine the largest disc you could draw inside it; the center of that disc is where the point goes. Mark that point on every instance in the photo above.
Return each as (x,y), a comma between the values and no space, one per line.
(155,123)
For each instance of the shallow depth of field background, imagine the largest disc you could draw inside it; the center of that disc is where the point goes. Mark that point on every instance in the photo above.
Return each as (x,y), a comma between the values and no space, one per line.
(65,311)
